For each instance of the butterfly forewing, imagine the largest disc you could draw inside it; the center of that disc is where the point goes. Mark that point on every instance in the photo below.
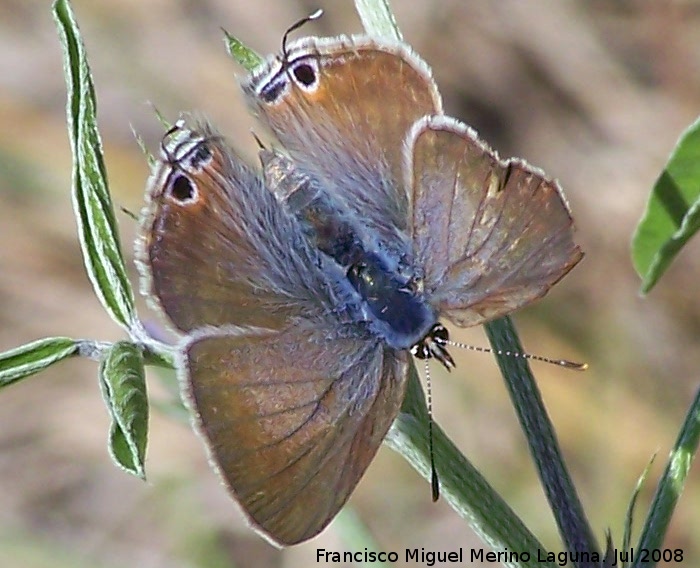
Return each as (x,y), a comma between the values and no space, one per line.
(293,418)
(217,248)
(340,107)
(490,235)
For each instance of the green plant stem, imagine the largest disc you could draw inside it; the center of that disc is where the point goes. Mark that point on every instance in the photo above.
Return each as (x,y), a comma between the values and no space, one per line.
(571,519)
(461,484)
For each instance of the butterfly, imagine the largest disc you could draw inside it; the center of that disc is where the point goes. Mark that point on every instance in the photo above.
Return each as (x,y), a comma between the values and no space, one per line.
(301,291)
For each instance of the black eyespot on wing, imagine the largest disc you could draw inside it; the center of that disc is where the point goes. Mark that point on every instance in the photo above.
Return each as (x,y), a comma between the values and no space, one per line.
(201,156)
(182,188)
(305,74)
(272,91)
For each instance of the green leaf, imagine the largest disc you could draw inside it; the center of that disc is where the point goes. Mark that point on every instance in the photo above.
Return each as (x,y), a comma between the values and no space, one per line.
(123,384)
(672,215)
(378,19)
(671,483)
(243,55)
(158,354)
(97,225)
(629,518)
(34,357)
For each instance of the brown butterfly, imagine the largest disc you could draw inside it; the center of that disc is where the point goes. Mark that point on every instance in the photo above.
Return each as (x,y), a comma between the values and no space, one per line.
(300,292)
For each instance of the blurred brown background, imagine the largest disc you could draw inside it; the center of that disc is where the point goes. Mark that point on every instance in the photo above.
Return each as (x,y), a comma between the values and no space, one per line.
(594,92)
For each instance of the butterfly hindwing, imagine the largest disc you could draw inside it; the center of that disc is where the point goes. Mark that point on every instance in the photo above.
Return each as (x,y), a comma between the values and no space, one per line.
(292,418)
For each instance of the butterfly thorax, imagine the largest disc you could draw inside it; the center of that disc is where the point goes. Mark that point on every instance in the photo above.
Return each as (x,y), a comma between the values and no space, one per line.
(392,301)
(389,291)
(394,307)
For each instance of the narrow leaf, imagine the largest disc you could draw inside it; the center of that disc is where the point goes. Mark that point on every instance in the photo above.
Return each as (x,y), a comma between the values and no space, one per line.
(672,215)
(97,225)
(609,560)
(123,384)
(672,482)
(34,357)
(241,54)
(629,518)
(378,19)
